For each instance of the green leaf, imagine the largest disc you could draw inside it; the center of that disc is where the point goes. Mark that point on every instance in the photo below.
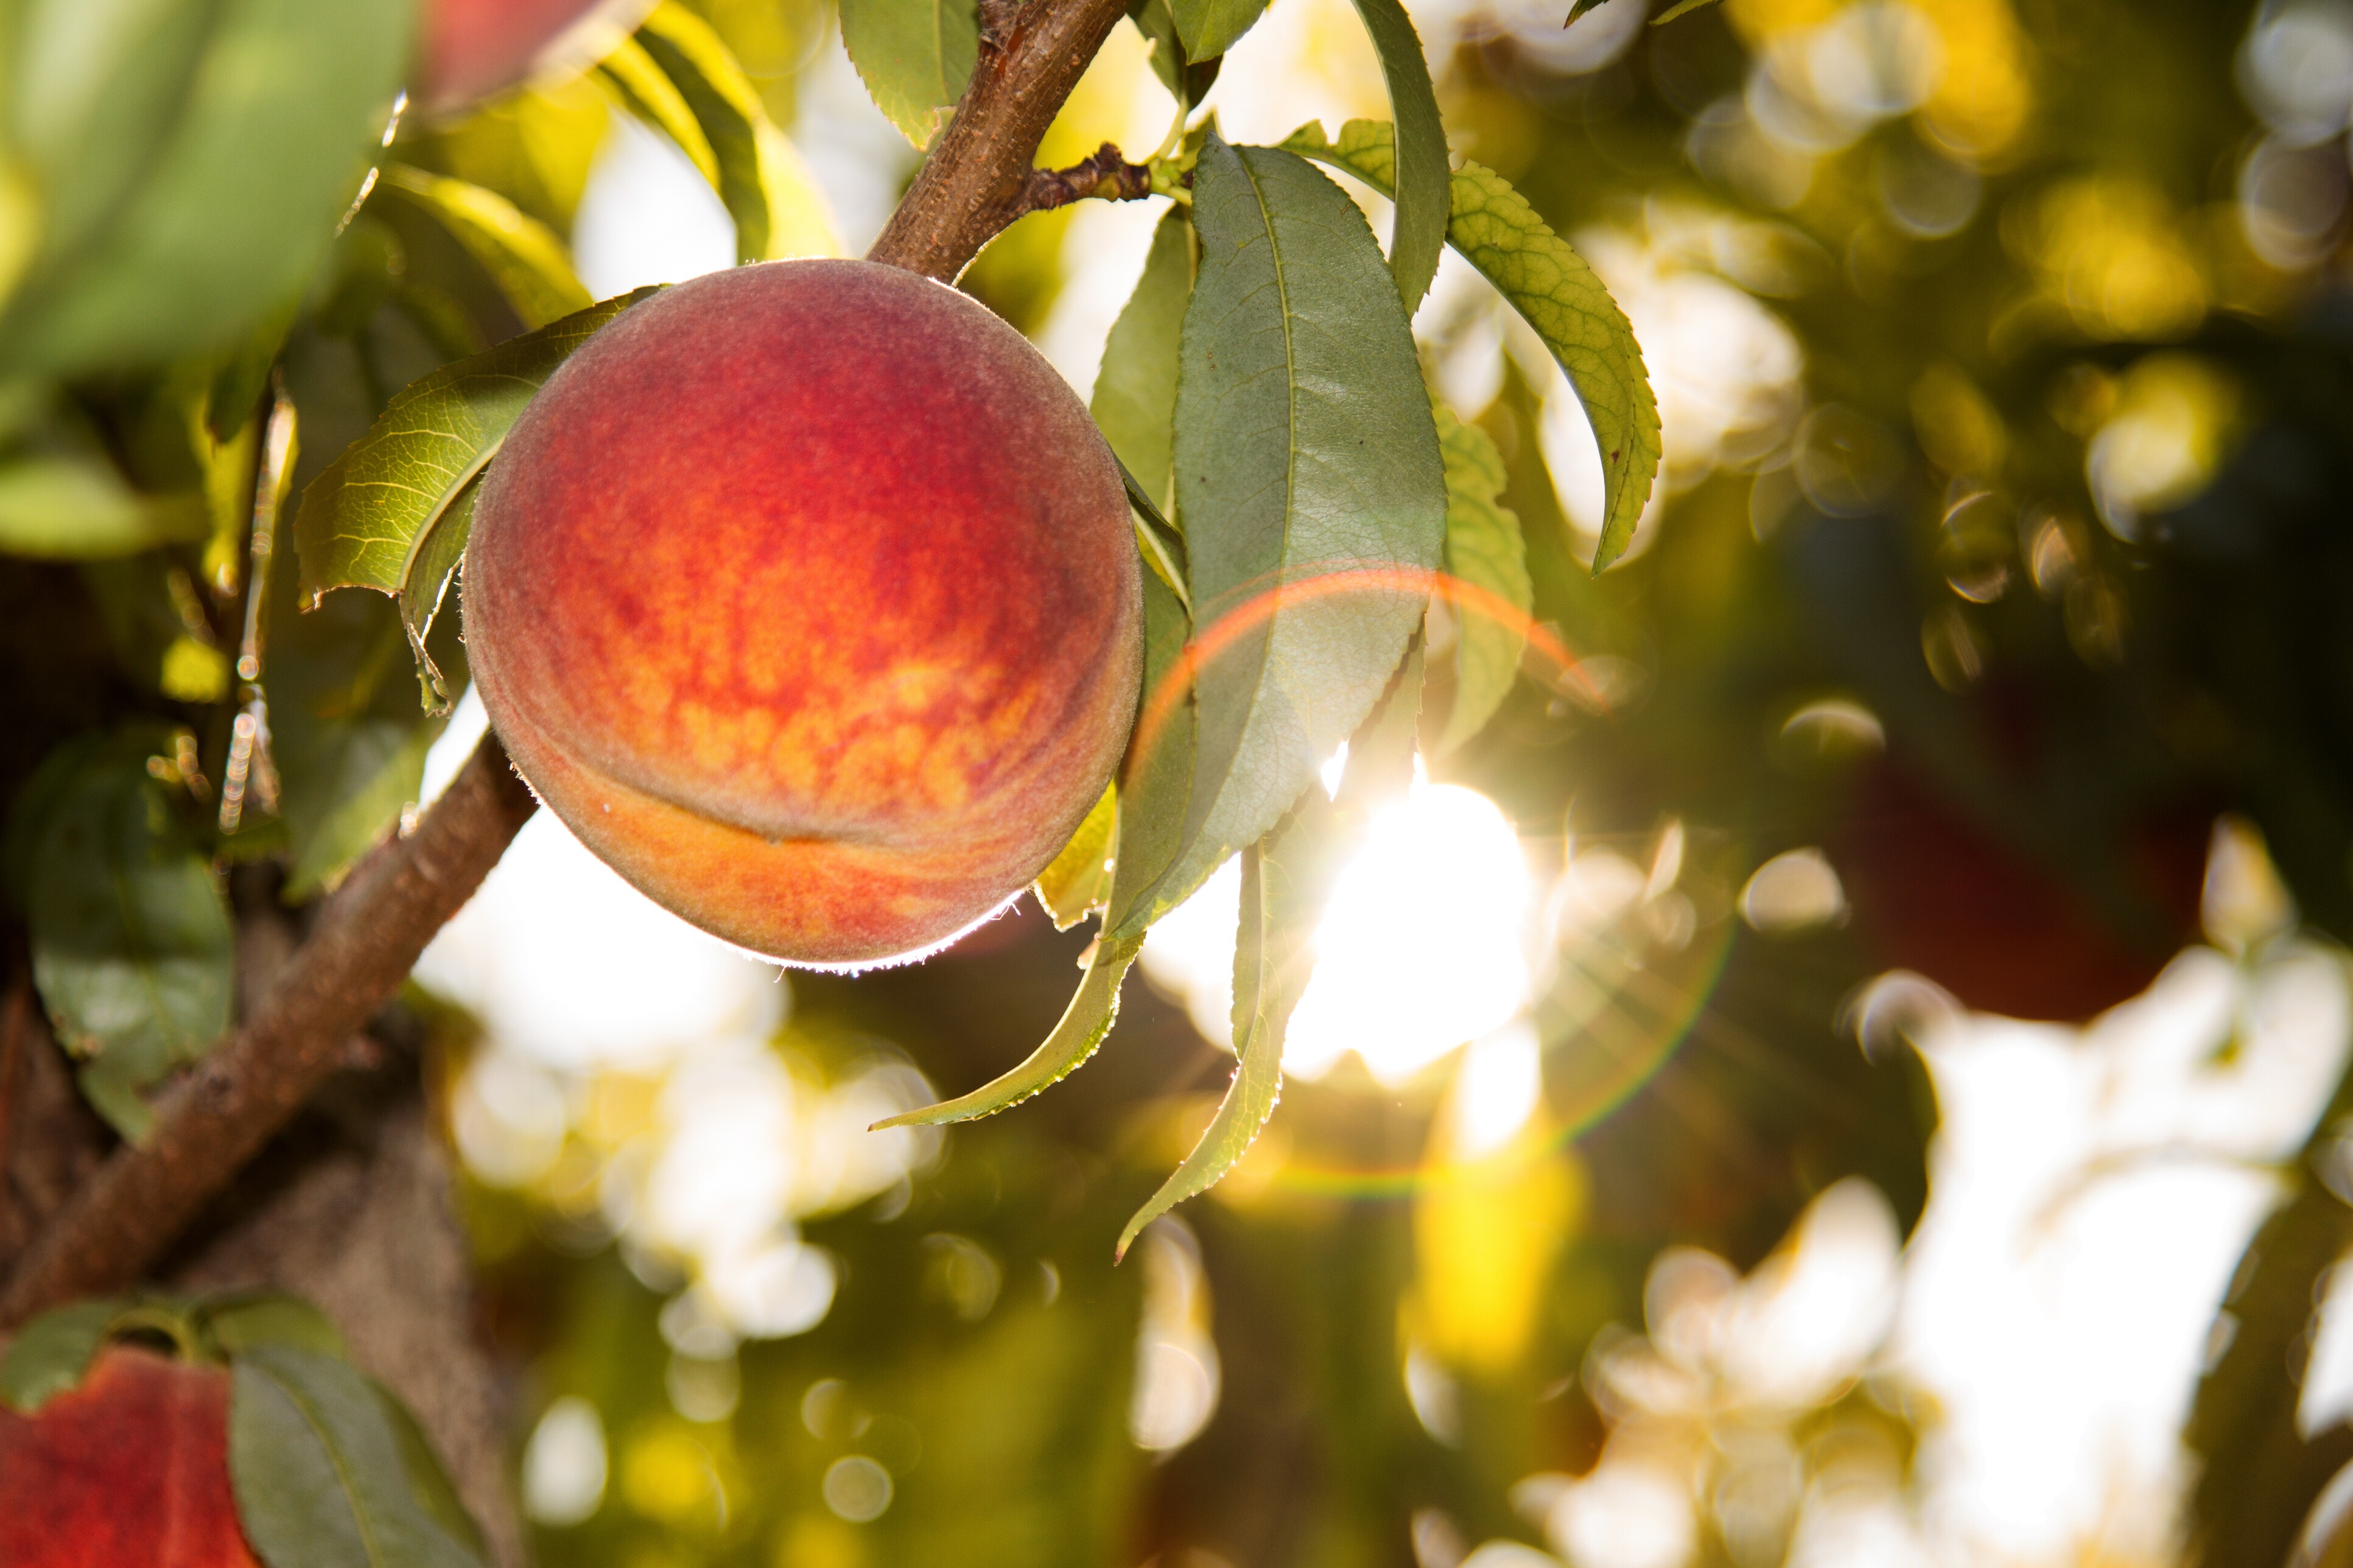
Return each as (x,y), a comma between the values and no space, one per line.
(1485,550)
(134,952)
(1680,8)
(1210,27)
(1189,81)
(371,518)
(236,1324)
(914,55)
(51,1354)
(1420,181)
(1286,879)
(1156,782)
(348,738)
(650,94)
(1073,886)
(221,197)
(1134,402)
(319,1478)
(1550,285)
(1083,1026)
(428,1479)
(1312,495)
(760,180)
(522,256)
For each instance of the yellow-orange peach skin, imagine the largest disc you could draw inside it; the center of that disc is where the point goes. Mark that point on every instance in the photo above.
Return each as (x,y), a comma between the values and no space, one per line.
(806,594)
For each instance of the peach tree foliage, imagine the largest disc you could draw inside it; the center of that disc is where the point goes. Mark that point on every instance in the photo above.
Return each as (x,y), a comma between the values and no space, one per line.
(210,271)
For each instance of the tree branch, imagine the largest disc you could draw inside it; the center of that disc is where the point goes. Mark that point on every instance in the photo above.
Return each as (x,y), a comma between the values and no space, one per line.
(978,173)
(977,179)
(364,946)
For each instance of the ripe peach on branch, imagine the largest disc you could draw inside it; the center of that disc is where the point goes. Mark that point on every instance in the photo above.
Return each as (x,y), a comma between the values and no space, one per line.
(806,594)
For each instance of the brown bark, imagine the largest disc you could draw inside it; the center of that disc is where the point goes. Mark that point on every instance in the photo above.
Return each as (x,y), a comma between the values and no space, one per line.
(363,946)
(973,182)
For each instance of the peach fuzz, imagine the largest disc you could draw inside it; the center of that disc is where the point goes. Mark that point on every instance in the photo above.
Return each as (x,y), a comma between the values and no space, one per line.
(806,594)
(128,1470)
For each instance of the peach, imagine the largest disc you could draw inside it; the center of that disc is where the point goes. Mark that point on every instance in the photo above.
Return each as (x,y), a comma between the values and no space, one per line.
(128,1470)
(475,48)
(806,594)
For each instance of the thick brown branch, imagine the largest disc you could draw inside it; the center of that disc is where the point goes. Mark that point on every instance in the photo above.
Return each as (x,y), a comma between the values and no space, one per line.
(364,944)
(975,180)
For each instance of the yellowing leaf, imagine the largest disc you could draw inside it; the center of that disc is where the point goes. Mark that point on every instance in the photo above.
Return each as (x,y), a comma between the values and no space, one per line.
(1484,549)
(530,266)
(1073,887)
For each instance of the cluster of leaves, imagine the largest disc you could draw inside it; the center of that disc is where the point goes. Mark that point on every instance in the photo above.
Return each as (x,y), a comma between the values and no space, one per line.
(328,1467)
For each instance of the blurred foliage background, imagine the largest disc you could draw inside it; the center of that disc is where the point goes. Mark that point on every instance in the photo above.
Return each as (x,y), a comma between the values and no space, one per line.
(1986,630)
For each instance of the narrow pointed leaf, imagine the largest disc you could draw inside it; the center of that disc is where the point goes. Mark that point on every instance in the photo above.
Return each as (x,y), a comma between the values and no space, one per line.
(914,55)
(1135,402)
(1312,491)
(1211,27)
(648,92)
(1485,550)
(1073,886)
(1420,181)
(1084,1024)
(1286,879)
(759,178)
(319,1473)
(523,257)
(1680,8)
(1549,284)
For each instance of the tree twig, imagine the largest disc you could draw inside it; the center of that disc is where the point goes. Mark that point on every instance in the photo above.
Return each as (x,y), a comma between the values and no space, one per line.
(1107,177)
(978,173)
(364,944)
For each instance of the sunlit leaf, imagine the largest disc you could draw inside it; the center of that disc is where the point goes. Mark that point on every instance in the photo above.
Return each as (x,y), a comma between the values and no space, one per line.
(1312,491)
(1419,180)
(1285,881)
(1135,402)
(320,1477)
(1073,886)
(371,519)
(51,1354)
(134,952)
(1550,285)
(1484,550)
(1083,1026)
(650,94)
(212,218)
(914,55)
(1680,8)
(522,256)
(778,209)
(1211,27)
